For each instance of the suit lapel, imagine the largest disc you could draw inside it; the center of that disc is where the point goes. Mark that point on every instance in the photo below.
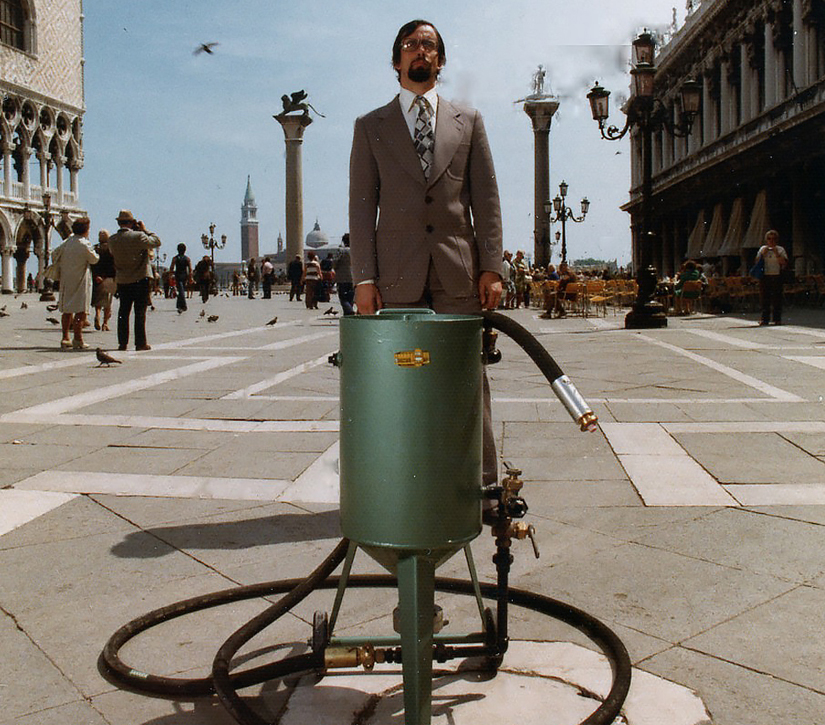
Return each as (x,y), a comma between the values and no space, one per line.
(396,135)
(449,130)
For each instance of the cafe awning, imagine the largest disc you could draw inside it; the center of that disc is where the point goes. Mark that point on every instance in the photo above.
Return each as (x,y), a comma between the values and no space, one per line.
(715,235)
(759,223)
(736,230)
(697,237)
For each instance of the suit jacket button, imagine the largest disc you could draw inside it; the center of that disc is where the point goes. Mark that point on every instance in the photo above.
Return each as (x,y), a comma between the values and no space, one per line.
(430,228)
(428,199)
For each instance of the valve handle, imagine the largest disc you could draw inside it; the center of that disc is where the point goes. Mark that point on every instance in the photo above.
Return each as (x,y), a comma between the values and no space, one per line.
(531,532)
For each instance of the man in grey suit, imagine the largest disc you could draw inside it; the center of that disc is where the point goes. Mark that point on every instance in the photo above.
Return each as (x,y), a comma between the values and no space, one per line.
(425,218)
(131,245)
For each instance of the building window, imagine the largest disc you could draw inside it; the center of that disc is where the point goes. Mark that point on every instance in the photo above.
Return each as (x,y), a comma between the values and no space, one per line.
(13,23)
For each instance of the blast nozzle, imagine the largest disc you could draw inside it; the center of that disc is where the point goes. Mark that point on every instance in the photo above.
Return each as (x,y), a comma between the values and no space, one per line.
(576,405)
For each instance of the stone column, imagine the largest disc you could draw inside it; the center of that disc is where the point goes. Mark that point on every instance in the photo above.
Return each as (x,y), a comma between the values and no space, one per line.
(59,160)
(746,81)
(724,97)
(21,258)
(708,120)
(7,163)
(294,137)
(771,97)
(8,273)
(800,47)
(74,168)
(43,158)
(25,152)
(541,112)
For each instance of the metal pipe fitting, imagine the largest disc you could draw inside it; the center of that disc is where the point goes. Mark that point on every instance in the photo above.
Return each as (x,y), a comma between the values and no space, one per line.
(576,405)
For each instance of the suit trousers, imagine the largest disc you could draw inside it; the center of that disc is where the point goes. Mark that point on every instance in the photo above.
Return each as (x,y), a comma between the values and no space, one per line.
(435,298)
(137,294)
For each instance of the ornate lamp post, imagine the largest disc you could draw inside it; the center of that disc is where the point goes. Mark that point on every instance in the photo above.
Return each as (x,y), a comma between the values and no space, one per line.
(159,259)
(649,115)
(46,293)
(564,214)
(212,244)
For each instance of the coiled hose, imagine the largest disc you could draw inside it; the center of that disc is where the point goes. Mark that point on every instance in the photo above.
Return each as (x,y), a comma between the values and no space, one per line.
(225,684)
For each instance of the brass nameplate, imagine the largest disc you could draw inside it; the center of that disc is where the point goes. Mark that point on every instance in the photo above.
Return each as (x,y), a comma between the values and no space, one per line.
(412,358)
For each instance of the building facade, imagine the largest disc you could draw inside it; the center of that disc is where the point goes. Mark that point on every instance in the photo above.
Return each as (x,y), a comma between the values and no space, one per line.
(249,224)
(41,128)
(755,158)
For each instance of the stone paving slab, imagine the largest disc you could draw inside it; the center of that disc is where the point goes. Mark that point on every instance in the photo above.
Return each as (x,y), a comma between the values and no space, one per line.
(710,597)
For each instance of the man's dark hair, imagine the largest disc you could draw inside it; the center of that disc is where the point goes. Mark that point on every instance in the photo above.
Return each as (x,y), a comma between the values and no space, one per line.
(409,29)
(81,226)
(181,248)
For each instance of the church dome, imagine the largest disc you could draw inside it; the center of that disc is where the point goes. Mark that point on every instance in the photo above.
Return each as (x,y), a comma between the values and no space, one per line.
(316,238)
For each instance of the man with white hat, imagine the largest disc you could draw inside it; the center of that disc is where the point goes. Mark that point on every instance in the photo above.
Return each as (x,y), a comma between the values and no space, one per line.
(131,246)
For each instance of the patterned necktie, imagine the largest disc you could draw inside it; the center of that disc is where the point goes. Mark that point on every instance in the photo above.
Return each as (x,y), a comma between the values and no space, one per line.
(424,135)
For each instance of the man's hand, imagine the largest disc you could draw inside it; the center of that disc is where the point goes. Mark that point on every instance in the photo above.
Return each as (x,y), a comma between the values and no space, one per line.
(368,299)
(489,290)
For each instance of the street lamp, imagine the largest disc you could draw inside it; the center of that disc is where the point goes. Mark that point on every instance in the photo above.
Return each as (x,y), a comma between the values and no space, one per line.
(212,244)
(159,259)
(46,293)
(649,115)
(564,214)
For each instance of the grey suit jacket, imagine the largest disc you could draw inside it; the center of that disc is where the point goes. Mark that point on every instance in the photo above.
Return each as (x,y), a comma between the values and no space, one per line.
(399,220)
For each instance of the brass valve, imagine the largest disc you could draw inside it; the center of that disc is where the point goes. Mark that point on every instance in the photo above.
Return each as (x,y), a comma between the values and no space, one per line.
(364,656)
(520,530)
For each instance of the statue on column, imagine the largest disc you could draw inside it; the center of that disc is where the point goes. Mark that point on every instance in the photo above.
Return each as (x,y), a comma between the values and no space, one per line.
(297,101)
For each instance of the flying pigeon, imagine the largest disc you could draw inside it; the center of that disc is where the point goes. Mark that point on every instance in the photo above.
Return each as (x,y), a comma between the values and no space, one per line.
(272,321)
(205,48)
(104,358)
(52,320)
(52,308)
(212,318)
(331,311)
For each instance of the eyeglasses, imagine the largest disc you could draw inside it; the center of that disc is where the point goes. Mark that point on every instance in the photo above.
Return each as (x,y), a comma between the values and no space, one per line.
(413,44)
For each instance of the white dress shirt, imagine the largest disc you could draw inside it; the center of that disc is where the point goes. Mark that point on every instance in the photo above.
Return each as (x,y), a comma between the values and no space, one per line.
(410,110)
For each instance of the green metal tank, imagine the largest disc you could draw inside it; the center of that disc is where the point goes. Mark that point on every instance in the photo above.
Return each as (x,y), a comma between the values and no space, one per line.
(411,430)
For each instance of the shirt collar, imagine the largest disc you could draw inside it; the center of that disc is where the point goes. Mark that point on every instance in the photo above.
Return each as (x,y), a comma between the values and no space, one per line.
(407,98)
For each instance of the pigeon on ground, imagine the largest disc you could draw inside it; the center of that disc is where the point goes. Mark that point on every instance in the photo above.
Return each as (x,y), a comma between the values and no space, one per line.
(52,320)
(104,358)
(212,318)
(203,313)
(23,306)
(272,321)
(205,48)
(3,308)
(3,313)
(52,308)
(331,311)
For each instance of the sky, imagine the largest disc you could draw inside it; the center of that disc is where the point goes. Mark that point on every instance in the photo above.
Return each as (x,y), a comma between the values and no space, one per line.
(173,136)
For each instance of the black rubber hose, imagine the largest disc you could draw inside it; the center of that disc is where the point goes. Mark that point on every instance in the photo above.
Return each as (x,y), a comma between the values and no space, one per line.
(118,673)
(224,686)
(524,338)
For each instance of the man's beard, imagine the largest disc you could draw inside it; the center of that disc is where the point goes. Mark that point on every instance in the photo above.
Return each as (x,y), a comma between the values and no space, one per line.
(420,73)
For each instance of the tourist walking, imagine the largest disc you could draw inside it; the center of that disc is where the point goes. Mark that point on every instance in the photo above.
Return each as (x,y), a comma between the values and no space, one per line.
(774,259)
(74,259)
(130,246)
(295,275)
(203,277)
(312,278)
(103,281)
(182,269)
(251,278)
(343,278)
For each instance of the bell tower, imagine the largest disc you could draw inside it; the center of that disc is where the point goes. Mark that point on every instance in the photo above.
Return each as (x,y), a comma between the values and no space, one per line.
(249,224)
